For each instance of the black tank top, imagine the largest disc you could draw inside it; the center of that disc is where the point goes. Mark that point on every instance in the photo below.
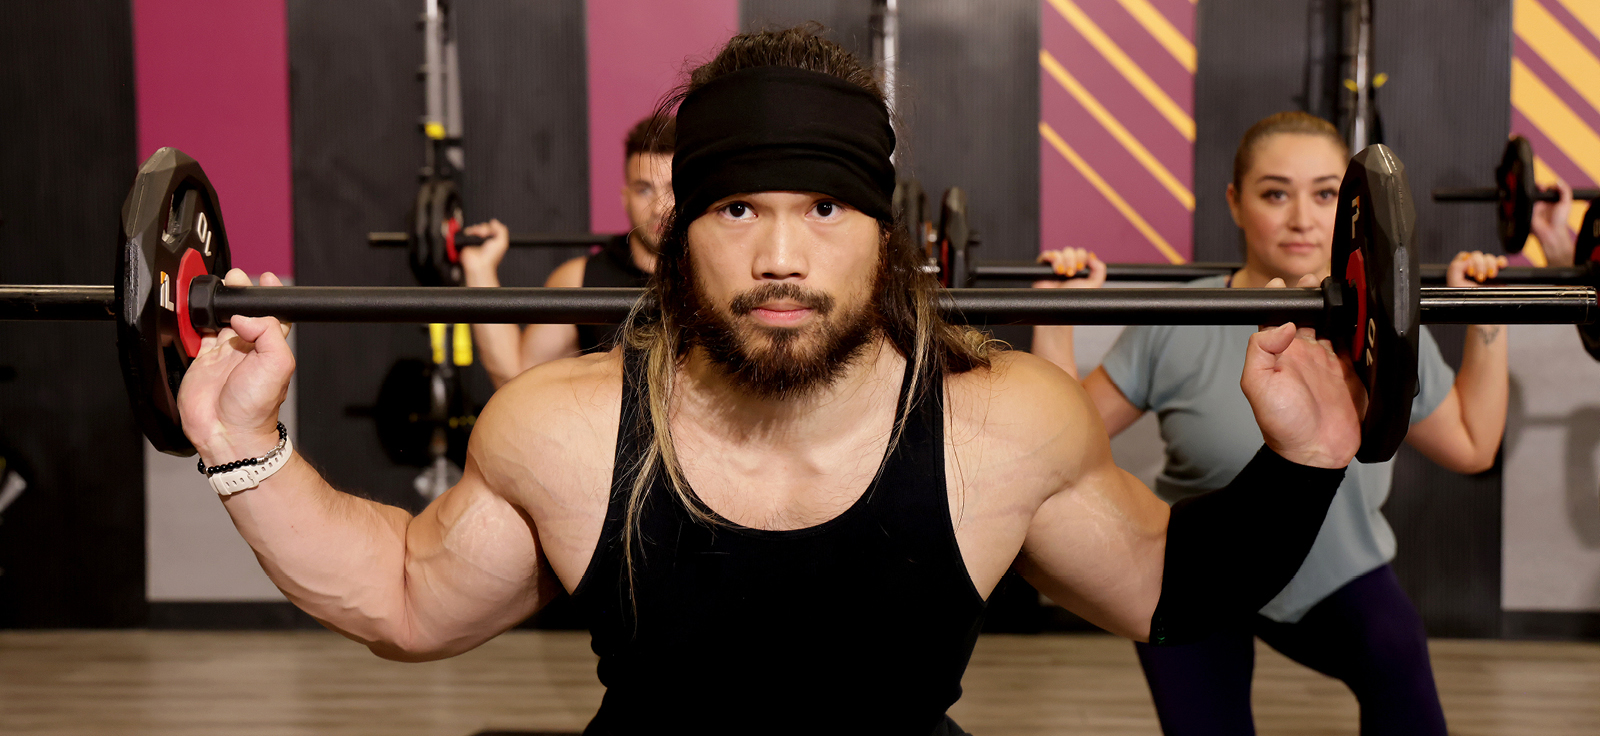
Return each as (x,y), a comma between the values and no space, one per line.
(612,267)
(861,624)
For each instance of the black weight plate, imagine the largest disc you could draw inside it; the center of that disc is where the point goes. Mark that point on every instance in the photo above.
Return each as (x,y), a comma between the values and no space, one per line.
(402,412)
(1588,251)
(955,238)
(171,210)
(438,202)
(446,211)
(1516,188)
(1372,250)
(405,416)
(424,265)
(911,206)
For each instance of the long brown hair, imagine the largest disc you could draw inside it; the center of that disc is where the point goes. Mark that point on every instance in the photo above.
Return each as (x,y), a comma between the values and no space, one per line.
(908,298)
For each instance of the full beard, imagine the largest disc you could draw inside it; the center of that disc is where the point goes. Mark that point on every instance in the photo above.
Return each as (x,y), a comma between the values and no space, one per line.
(780,363)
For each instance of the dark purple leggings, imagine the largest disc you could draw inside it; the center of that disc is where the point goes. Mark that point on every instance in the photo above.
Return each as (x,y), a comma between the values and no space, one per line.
(1366,634)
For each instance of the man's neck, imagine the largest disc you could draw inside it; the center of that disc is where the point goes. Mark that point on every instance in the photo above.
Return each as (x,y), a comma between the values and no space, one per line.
(644,257)
(706,397)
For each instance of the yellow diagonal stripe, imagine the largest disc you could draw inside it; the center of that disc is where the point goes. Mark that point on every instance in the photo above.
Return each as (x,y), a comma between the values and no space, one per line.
(1162,29)
(1560,49)
(1110,194)
(1125,66)
(1534,252)
(1586,11)
(1552,117)
(1117,131)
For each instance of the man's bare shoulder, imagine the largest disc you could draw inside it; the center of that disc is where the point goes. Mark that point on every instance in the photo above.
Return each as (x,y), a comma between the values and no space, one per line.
(1023,406)
(1018,389)
(556,415)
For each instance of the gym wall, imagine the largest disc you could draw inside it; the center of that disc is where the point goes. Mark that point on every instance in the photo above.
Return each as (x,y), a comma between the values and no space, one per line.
(638,51)
(72,544)
(974,90)
(355,103)
(1551,509)
(232,114)
(1117,129)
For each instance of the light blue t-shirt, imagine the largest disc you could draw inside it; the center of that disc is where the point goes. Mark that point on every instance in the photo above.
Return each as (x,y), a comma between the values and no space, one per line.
(1189,376)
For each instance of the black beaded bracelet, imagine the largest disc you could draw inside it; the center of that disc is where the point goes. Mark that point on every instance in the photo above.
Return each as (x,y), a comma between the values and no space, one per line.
(283,437)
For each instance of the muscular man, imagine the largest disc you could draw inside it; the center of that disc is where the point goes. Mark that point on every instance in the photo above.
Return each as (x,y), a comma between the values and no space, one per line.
(783,501)
(626,261)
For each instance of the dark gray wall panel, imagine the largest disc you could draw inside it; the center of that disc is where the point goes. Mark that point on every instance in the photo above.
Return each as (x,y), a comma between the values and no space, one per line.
(846,21)
(1241,77)
(72,546)
(970,110)
(355,102)
(1446,113)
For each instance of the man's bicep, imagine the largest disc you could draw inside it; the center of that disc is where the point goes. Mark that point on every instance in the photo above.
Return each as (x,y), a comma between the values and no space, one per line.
(474,567)
(1097,549)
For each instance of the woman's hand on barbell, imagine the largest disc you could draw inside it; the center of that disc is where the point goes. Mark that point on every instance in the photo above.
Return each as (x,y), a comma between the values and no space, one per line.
(1083,269)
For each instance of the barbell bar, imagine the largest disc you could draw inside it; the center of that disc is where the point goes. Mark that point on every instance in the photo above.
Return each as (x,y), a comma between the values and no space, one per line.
(168,294)
(211,304)
(518,240)
(1158,272)
(1485,194)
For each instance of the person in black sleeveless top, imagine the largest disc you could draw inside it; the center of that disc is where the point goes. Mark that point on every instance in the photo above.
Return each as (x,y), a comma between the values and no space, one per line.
(782,504)
(626,261)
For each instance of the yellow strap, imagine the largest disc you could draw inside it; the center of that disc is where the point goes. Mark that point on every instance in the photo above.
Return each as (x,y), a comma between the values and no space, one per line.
(463,345)
(434,131)
(436,335)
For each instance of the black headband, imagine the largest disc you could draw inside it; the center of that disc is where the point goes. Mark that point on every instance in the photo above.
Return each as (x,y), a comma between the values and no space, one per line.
(780,128)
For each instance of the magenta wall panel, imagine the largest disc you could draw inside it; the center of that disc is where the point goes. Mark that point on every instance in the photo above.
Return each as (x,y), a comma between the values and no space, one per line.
(1116,108)
(638,50)
(213,81)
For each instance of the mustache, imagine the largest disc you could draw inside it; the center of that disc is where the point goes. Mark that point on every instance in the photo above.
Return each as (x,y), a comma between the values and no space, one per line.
(747,302)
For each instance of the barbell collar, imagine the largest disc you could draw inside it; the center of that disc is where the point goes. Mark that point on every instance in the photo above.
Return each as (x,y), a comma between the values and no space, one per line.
(75,303)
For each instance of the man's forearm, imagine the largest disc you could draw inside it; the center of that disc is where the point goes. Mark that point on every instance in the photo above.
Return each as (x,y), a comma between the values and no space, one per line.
(1054,343)
(1483,385)
(499,351)
(499,346)
(1231,550)
(338,557)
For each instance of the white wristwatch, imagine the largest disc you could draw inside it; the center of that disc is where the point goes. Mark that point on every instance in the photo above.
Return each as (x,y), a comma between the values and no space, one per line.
(242,475)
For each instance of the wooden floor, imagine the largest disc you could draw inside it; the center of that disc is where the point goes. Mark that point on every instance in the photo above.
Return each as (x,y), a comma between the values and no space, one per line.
(288,683)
